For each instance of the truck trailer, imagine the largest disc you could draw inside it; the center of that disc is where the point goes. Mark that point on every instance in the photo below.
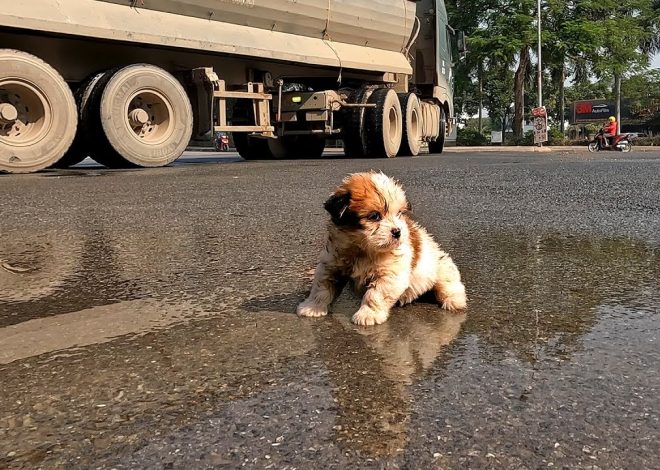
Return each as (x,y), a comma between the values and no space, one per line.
(134,82)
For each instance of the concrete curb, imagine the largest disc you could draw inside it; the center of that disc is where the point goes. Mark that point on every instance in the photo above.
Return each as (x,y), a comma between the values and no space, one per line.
(491,149)
(528,149)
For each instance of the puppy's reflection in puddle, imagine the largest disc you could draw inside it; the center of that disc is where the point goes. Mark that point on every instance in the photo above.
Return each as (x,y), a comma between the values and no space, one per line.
(371,370)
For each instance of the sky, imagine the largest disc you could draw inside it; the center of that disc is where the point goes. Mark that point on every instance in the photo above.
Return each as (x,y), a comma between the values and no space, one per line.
(655,63)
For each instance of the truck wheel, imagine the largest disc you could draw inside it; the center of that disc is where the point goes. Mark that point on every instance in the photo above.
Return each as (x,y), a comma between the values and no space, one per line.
(411,140)
(353,128)
(383,124)
(145,118)
(299,146)
(37,113)
(250,148)
(438,145)
(81,147)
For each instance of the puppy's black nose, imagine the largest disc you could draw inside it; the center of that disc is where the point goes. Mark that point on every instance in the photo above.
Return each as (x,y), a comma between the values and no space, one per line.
(396,233)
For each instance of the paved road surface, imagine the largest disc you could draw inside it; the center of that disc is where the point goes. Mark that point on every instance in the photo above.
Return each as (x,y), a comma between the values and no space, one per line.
(146,319)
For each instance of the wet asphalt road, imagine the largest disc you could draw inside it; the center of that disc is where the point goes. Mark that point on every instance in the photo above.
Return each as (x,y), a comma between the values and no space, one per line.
(146,319)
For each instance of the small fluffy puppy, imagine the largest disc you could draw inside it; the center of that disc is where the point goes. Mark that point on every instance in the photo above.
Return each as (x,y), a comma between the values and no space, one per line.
(373,241)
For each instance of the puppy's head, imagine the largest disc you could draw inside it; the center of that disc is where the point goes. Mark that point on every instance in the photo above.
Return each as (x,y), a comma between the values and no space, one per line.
(370,208)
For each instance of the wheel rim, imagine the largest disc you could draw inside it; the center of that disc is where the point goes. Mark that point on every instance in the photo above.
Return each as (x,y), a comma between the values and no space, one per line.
(150,117)
(25,113)
(393,125)
(414,124)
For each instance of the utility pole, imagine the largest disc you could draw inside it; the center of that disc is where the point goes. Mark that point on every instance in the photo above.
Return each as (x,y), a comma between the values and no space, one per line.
(540,78)
(540,68)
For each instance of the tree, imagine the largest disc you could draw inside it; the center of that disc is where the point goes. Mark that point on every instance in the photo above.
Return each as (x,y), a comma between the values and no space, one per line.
(498,95)
(626,33)
(567,41)
(466,15)
(504,34)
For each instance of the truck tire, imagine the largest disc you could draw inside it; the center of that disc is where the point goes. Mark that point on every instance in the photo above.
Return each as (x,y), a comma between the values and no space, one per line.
(438,145)
(81,147)
(38,116)
(299,146)
(411,140)
(145,118)
(383,124)
(353,135)
(250,148)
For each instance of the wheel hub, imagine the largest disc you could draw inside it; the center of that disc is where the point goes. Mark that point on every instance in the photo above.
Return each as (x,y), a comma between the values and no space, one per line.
(25,113)
(150,116)
(138,117)
(8,113)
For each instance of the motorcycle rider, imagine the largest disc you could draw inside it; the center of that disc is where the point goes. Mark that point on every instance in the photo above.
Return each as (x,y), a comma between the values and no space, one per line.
(609,131)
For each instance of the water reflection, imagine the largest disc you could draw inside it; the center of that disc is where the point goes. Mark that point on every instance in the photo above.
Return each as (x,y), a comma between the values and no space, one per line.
(33,267)
(371,370)
(60,272)
(84,404)
(534,296)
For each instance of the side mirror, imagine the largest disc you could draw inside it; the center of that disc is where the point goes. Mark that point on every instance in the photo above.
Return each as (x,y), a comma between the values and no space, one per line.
(461,42)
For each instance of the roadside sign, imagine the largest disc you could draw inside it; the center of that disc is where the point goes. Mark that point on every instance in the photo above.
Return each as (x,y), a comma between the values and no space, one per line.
(496,137)
(540,125)
(593,110)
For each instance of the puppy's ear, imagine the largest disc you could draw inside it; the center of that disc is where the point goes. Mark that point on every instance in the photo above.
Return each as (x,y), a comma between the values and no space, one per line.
(408,206)
(337,206)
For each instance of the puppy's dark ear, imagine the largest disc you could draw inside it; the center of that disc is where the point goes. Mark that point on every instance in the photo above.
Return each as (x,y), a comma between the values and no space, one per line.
(337,206)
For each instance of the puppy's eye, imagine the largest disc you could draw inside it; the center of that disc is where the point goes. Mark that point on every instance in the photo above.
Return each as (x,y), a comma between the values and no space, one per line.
(374,216)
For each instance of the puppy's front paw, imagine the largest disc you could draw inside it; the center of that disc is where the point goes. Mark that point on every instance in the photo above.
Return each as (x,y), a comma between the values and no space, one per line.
(368,317)
(310,309)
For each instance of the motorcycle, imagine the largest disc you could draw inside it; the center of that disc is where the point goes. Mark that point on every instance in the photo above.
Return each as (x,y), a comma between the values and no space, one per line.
(221,142)
(619,143)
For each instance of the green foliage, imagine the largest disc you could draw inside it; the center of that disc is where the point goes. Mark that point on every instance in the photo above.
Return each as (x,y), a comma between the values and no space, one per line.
(586,43)
(525,140)
(555,136)
(647,141)
(470,138)
(473,124)
(643,86)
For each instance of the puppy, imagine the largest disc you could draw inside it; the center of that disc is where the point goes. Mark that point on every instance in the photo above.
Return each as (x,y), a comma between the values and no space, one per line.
(373,241)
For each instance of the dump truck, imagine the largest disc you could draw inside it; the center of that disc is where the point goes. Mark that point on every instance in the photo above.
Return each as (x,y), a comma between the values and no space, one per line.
(134,82)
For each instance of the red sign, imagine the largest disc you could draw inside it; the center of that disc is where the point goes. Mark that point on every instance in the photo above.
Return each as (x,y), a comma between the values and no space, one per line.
(593,111)
(583,108)
(539,112)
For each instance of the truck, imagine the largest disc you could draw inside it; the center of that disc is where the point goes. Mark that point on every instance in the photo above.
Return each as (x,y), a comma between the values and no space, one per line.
(131,83)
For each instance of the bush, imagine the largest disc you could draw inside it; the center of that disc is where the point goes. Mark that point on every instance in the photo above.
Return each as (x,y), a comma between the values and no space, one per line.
(526,140)
(470,138)
(555,137)
(642,141)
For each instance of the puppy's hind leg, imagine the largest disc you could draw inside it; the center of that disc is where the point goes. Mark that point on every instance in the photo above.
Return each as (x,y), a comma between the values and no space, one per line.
(327,285)
(449,290)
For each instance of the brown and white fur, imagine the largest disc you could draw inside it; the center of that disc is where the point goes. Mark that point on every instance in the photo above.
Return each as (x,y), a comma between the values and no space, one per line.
(373,241)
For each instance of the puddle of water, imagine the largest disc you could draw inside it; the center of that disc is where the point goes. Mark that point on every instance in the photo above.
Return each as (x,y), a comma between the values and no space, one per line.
(115,375)
(96,325)
(35,268)
(532,293)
